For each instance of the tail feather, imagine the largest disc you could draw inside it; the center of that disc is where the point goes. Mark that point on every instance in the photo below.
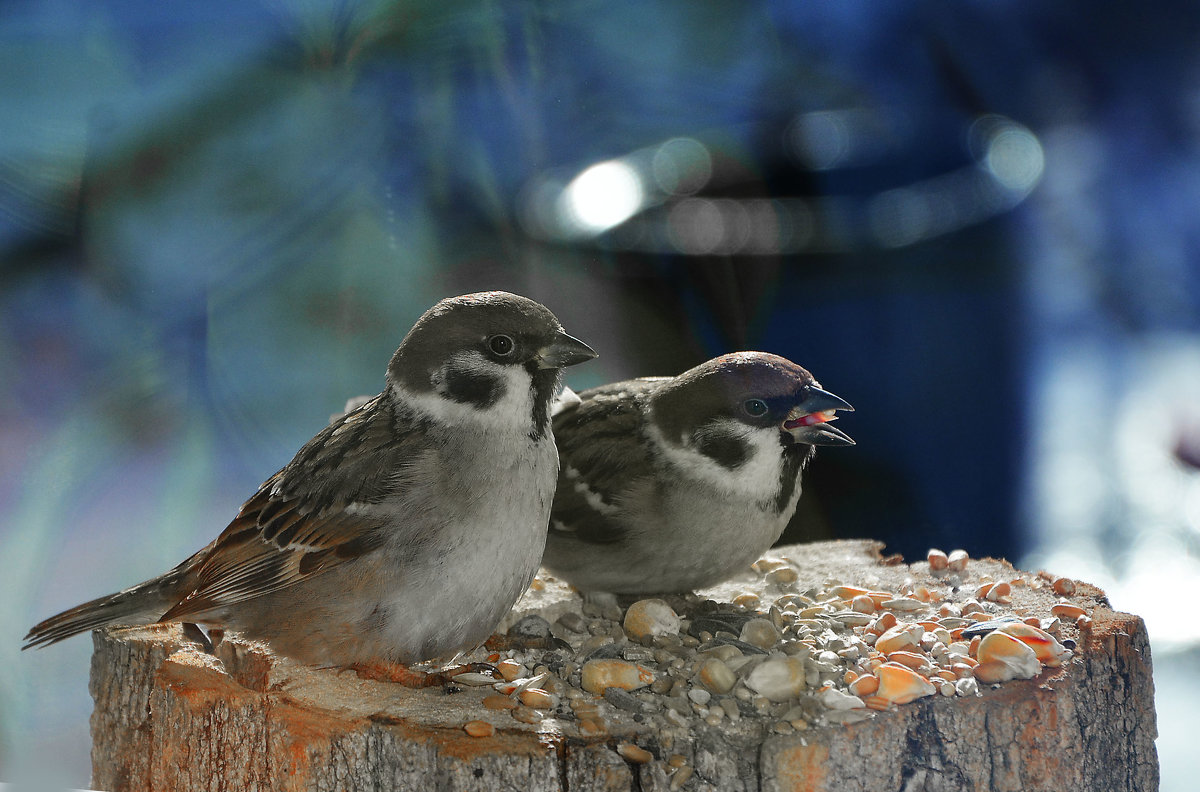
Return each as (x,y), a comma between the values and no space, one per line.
(141,604)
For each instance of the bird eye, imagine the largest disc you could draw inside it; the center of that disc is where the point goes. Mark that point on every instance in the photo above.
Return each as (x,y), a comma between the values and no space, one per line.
(755,408)
(502,345)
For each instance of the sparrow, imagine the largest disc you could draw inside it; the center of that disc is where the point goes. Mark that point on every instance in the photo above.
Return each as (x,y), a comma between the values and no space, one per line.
(669,484)
(407,527)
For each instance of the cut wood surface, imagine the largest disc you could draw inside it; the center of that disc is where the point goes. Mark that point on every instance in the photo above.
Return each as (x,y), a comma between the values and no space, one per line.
(170,716)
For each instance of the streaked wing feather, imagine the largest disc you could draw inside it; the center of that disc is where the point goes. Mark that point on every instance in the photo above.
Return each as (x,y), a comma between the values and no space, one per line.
(603,457)
(312,515)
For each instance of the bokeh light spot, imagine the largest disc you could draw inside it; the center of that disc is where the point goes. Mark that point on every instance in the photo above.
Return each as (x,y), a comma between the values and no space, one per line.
(681,166)
(696,226)
(820,140)
(603,196)
(1015,158)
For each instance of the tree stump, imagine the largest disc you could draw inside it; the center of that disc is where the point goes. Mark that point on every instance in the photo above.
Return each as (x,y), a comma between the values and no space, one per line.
(170,716)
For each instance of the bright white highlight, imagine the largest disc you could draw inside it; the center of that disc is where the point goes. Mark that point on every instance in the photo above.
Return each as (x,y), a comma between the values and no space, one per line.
(1015,158)
(603,196)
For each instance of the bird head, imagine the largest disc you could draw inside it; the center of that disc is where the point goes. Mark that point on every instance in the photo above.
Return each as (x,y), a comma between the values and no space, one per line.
(476,350)
(718,405)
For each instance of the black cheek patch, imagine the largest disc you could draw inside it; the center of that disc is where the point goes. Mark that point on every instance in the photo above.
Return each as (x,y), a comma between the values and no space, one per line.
(727,451)
(471,387)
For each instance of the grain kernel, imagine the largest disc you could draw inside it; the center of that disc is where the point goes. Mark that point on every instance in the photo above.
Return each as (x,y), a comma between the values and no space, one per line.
(634,754)
(1065,610)
(1063,586)
(478,728)
(497,702)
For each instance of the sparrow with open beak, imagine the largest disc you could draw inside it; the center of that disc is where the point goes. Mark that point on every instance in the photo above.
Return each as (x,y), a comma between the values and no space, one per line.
(669,484)
(407,528)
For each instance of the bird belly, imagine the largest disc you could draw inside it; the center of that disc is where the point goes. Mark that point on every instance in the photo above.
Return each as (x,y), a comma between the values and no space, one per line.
(435,589)
(481,561)
(689,539)
(711,538)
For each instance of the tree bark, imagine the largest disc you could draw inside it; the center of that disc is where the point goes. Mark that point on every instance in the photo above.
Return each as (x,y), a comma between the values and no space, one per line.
(169,716)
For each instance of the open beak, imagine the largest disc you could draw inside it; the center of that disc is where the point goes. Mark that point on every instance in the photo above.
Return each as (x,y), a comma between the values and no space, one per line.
(808,421)
(564,351)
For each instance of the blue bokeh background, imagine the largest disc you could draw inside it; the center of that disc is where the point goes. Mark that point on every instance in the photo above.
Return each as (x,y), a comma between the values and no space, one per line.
(217,221)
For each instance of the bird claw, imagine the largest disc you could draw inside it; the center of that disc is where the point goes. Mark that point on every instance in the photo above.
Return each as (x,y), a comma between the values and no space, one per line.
(500,643)
(398,674)
(412,678)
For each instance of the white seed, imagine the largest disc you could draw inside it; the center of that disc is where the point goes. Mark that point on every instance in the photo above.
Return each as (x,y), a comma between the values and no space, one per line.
(835,699)
(526,715)
(778,679)
(999,593)
(597,675)
(782,576)
(649,618)
(852,618)
(905,605)
(715,675)
(760,633)
(538,699)
(1002,657)
(901,637)
(747,601)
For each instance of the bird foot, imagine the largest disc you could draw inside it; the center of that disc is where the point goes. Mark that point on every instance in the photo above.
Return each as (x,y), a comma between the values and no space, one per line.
(409,677)
(399,674)
(500,643)
(475,668)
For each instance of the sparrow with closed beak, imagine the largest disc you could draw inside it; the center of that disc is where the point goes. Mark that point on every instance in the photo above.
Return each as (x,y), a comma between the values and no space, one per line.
(407,528)
(669,484)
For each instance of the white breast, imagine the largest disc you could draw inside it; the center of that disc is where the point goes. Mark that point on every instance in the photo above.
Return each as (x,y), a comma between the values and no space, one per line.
(486,529)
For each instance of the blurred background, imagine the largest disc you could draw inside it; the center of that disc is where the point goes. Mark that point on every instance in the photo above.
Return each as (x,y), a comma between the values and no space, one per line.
(975,221)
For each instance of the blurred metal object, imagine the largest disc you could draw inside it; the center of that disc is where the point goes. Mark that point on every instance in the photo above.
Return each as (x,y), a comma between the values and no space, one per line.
(665,198)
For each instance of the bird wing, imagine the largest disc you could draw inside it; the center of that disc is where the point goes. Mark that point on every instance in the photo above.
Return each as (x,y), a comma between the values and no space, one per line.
(312,515)
(603,460)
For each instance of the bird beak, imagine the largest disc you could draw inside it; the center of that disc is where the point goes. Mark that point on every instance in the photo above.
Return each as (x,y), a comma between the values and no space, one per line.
(808,421)
(564,351)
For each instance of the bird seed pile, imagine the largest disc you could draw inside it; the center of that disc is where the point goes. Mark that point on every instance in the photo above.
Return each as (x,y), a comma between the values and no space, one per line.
(781,661)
